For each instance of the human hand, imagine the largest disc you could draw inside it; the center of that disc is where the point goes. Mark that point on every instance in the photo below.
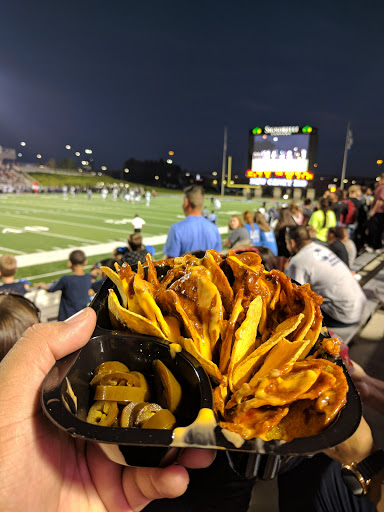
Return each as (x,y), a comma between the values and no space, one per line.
(355,448)
(43,468)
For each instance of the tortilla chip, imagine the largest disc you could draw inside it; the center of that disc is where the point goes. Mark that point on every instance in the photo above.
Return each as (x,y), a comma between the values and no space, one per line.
(220,396)
(210,310)
(309,316)
(312,335)
(245,337)
(152,274)
(243,371)
(283,354)
(170,301)
(226,347)
(122,285)
(208,365)
(135,322)
(219,279)
(144,292)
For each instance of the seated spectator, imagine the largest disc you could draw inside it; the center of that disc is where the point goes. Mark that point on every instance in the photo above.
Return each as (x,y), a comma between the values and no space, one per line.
(323,219)
(285,220)
(237,232)
(136,251)
(349,245)
(297,213)
(253,229)
(267,236)
(343,298)
(8,268)
(313,235)
(268,259)
(336,245)
(16,314)
(75,287)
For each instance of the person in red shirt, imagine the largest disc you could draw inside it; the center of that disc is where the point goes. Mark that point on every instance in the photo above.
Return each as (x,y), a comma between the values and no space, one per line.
(376,215)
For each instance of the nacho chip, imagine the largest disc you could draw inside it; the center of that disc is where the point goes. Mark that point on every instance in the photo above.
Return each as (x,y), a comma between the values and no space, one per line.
(144,292)
(207,364)
(283,354)
(245,337)
(309,316)
(135,322)
(226,347)
(243,371)
(172,303)
(219,279)
(220,396)
(121,285)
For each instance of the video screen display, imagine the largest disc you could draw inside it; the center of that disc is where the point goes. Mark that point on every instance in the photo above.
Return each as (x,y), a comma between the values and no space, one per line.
(280,153)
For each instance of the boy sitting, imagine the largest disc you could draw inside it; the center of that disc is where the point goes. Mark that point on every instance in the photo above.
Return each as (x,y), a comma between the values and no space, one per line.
(8,267)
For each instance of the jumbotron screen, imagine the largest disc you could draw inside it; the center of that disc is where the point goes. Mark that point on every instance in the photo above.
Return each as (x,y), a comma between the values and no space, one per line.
(285,152)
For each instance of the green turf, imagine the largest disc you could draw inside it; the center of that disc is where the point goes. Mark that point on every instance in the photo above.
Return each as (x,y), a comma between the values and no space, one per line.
(77,222)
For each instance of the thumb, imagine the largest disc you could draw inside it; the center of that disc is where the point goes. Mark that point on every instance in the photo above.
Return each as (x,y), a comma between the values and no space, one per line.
(28,362)
(143,485)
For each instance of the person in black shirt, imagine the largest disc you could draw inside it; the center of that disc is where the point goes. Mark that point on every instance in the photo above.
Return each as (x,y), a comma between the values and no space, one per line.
(334,242)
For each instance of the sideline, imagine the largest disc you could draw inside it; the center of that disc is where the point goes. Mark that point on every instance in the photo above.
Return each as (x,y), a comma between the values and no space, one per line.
(40,258)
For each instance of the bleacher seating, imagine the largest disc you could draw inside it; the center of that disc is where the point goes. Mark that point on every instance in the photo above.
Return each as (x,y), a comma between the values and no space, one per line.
(367,267)
(48,303)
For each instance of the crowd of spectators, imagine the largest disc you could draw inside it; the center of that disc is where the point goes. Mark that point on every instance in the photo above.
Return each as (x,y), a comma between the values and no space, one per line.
(13,180)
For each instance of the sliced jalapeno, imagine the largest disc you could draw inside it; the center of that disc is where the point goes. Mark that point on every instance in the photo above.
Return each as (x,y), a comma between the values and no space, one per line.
(103,413)
(163,420)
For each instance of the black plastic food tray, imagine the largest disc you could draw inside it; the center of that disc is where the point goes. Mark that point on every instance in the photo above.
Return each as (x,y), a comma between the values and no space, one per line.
(72,374)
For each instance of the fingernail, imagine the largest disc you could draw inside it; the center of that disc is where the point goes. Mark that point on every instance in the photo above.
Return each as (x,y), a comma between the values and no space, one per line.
(77,317)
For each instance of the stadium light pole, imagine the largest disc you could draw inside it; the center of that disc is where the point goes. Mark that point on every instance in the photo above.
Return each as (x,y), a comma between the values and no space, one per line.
(224,162)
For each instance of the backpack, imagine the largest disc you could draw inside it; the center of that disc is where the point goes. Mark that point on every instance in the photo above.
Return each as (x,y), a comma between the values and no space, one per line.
(351,215)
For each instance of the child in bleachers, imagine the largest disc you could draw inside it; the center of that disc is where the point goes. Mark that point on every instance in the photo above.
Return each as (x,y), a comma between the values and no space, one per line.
(8,268)
(74,287)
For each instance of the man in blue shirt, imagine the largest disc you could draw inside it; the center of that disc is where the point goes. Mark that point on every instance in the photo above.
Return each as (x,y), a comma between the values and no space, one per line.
(195,232)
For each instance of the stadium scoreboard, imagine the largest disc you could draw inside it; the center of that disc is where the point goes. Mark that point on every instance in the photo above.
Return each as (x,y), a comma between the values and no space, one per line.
(281,156)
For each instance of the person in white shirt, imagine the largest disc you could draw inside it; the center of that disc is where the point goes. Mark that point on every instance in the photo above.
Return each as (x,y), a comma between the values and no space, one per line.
(138,223)
(343,298)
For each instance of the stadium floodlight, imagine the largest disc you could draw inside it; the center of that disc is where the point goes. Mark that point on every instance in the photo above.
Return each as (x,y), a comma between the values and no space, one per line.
(103,168)
(169,161)
(126,171)
(38,155)
(84,162)
(67,146)
(77,153)
(156,177)
(88,151)
(19,155)
(23,143)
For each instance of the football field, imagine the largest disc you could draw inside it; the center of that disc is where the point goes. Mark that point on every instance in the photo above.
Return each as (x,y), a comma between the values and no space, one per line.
(41,230)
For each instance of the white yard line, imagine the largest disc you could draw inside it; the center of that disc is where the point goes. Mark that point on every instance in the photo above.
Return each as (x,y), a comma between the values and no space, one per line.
(7,250)
(66,237)
(27,260)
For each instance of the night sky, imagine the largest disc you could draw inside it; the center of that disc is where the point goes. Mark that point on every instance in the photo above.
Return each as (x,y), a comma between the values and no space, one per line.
(137,79)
